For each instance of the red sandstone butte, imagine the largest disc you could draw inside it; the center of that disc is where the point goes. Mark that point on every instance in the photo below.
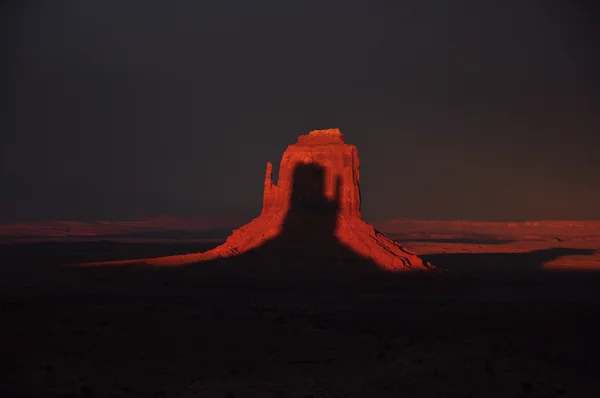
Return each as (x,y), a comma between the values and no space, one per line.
(336,186)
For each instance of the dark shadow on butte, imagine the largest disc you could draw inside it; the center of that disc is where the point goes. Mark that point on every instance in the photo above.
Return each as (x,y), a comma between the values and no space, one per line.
(307,243)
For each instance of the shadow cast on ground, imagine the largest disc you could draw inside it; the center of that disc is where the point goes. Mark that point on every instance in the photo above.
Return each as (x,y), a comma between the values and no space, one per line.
(481,263)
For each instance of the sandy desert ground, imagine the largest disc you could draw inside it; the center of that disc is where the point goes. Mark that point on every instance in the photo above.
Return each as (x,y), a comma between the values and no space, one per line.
(515,313)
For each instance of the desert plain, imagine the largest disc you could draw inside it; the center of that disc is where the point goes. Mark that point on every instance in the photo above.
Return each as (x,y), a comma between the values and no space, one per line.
(511,310)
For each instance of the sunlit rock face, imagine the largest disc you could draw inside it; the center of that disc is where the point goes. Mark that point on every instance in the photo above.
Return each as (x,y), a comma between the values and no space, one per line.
(325,148)
(312,213)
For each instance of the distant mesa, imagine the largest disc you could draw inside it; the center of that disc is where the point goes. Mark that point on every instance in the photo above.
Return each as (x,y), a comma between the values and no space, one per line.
(312,213)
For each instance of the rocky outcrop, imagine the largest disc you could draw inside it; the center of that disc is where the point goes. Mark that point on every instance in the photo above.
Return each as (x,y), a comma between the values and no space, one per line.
(327,149)
(312,213)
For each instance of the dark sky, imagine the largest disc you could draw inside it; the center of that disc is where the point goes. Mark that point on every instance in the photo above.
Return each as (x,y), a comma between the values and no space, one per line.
(118,109)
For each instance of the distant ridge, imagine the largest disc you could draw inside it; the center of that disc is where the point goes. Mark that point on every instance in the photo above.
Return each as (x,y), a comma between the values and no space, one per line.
(151,228)
(168,228)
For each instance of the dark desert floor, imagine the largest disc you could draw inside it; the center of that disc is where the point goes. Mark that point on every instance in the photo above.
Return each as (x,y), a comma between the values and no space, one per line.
(513,315)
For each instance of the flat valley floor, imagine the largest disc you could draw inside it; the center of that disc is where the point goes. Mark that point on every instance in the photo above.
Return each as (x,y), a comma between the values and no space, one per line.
(504,319)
